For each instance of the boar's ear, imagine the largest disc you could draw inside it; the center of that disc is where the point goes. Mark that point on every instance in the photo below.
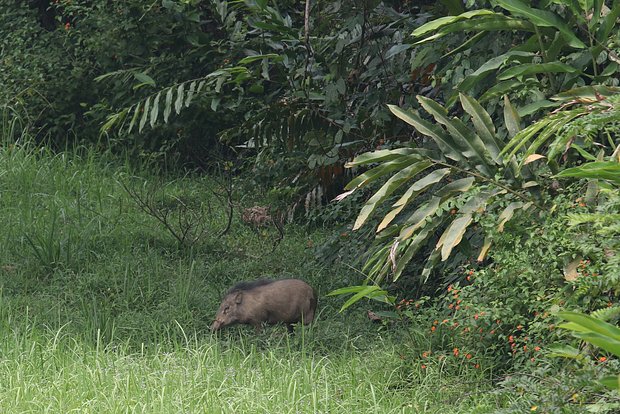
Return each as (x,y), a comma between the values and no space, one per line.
(238,297)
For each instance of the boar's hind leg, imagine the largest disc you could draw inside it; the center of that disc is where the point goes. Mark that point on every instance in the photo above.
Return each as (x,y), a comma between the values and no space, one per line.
(290,328)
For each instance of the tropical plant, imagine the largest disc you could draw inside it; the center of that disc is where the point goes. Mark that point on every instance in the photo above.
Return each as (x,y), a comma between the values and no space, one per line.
(595,331)
(565,44)
(448,185)
(587,122)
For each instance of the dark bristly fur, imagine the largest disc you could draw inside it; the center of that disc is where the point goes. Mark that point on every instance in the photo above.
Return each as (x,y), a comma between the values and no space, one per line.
(286,301)
(245,286)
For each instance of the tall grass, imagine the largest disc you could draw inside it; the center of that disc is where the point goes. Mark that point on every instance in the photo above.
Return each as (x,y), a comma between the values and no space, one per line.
(101,310)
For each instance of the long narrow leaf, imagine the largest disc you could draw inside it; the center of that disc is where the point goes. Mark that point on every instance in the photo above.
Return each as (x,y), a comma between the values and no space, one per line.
(412,192)
(387,189)
(145,114)
(443,21)
(542,18)
(533,68)
(379,156)
(379,171)
(443,140)
(466,141)
(483,124)
(453,235)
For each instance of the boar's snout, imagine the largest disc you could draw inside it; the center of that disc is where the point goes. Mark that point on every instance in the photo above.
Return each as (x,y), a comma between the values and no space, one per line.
(216,325)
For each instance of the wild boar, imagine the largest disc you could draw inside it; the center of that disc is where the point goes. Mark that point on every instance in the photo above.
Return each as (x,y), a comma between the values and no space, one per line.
(272,301)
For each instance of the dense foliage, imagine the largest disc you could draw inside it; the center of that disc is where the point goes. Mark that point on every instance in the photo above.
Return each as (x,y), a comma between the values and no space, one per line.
(472,148)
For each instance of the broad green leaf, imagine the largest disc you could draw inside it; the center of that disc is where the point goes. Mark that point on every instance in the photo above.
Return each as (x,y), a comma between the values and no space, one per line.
(387,189)
(523,137)
(496,22)
(453,235)
(483,124)
(418,218)
(379,156)
(466,141)
(190,93)
(534,107)
(611,381)
(145,114)
(381,170)
(359,295)
(608,23)
(532,68)
(588,93)
(179,102)
(144,79)
(413,246)
(507,214)
(168,105)
(457,186)
(592,324)
(603,170)
(490,66)
(443,21)
(134,118)
(542,18)
(155,110)
(511,118)
(564,351)
(412,192)
(443,140)
(500,88)
(396,49)
(254,58)
(605,342)
(585,154)
(346,290)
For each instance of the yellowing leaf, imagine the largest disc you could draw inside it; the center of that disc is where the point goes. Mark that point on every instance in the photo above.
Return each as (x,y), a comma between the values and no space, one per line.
(485,249)
(570,270)
(532,158)
(453,235)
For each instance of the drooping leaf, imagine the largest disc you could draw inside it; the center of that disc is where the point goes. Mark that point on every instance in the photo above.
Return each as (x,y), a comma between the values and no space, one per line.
(443,140)
(592,324)
(145,114)
(453,235)
(415,189)
(443,21)
(470,144)
(484,249)
(533,68)
(412,246)
(168,105)
(490,66)
(511,118)
(507,214)
(134,117)
(155,110)
(542,18)
(379,171)
(178,104)
(254,58)
(379,156)
(190,93)
(387,189)
(144,79)
(603,170)
(483,124)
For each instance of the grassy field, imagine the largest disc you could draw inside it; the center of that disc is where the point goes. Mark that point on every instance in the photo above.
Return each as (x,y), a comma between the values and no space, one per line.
(102,310)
